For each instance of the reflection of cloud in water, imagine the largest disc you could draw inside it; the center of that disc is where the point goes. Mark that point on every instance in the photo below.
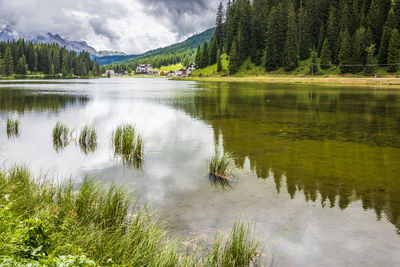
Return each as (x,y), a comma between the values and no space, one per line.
(178,145)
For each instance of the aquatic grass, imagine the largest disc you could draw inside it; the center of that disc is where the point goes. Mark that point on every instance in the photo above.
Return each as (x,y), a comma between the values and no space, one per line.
(128,145)
(221,166)
(61,136)
(43,223)
(88,139)
(240,249)
(13,128)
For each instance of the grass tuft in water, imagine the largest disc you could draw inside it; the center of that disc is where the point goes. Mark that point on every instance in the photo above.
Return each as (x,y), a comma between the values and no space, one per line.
(88,139)
(61,136)
(128,145)
(12,128)
(220,167)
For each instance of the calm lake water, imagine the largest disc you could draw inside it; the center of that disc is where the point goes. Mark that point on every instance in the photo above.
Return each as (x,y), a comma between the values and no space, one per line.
(318,168)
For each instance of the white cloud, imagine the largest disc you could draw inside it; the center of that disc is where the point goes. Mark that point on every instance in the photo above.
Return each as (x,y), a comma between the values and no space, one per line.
(130,26)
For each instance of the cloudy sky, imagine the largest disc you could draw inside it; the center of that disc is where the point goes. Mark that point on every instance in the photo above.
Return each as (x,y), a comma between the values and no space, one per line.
(130,26)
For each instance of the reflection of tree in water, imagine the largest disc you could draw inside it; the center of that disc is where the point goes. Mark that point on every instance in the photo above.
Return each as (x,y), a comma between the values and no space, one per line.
(22,101)
(336,145)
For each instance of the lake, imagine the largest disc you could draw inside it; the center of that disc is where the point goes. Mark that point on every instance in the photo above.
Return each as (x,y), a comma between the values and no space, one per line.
(317,168)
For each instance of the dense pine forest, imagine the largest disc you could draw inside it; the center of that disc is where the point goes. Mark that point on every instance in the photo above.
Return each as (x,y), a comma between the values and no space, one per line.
(357,36)
(21,58)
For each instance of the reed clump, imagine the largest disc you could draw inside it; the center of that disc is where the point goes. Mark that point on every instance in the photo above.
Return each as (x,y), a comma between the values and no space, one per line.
(128,145)
(61,136)
(13,127)
(221,167)
(240,249)
(42,224)
(88,139)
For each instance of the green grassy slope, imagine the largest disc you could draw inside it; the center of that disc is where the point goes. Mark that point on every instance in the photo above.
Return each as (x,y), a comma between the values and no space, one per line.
(249,69)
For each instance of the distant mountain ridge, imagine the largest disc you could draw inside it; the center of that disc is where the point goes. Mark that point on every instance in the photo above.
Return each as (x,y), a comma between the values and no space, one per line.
(8,34)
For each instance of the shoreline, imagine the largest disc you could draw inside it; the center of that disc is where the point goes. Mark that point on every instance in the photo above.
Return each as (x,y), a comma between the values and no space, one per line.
(329,81)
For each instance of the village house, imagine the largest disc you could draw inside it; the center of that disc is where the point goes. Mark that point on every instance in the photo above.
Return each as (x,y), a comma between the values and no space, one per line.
(144,69)
(182,73)
(109,73)
(155,73)
(191,68)
(171,73)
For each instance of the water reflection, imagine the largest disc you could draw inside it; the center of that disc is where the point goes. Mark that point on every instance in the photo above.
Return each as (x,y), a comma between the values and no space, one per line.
(338,147)
(22,100)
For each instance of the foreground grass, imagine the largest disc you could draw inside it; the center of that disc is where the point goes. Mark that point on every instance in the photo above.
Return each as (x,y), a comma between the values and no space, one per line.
(46,225)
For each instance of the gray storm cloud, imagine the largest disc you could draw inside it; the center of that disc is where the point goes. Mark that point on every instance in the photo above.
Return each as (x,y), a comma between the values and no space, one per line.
(129,26)
(184,17)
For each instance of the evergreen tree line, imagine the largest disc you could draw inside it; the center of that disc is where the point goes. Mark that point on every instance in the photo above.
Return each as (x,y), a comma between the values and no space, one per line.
(356,35)
(21,57)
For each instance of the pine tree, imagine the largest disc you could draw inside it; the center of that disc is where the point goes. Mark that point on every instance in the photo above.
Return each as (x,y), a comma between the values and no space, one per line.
(332,31)
(359,53)
(212,53)
(8,62)
(198,57)
(305,42)
(271,48)
(345,52)
(219,63)
(377,17)
(321,39)
(204,56)
(230,26)
(369,67)
(314,65)
(326,56)
(219,30)
(394,52)
(21,65)
(234,60)
(291,45)
(1,65)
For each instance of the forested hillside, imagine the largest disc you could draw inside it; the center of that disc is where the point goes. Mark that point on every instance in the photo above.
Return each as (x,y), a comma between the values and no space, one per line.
(356,35)
(22,57)
(183,52)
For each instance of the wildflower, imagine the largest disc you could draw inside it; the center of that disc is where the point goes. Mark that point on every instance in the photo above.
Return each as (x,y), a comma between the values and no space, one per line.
(109,260)
(83,241)
(7,196)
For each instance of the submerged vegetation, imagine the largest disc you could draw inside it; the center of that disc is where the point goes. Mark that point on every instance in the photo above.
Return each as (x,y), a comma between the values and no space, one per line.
(61,136)
(88,139)
(46,225)
(221,169)
(12,128)
(128,145)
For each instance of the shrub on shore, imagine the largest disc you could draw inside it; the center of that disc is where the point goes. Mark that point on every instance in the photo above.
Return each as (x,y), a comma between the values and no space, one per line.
(46,225)
(12,128)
